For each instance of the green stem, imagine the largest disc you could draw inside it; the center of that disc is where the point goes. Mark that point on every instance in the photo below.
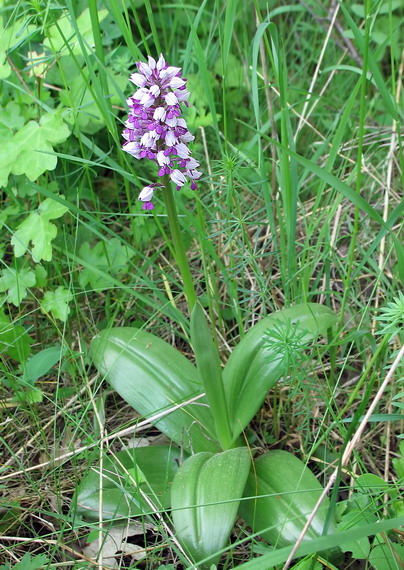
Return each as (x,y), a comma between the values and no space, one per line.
(180,253)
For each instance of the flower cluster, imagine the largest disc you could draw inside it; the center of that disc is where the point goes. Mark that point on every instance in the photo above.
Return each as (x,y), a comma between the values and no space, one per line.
(155,129)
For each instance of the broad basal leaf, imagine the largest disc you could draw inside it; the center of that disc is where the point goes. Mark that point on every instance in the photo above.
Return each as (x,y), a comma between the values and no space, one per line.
(265,354)
(152,468)
(153,377)
(283,494)
(205,497)
(38,230)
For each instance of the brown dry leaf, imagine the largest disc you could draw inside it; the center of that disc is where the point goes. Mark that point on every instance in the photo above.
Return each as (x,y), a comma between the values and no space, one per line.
(115,542)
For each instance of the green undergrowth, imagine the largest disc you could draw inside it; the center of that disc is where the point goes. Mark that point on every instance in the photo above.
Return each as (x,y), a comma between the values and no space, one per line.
(300,202)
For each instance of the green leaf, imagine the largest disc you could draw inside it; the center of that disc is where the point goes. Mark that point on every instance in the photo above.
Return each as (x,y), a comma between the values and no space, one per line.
(57,302)
(28,563)
(5,67)
(63,32)
(14,339)
(30,150)
(152,468)
(398,463)
(359,548)
(359,509)
(388,100)
(386,556)
(15,33)
(107,257)
(16,283)
(319,544)
(40,363)
(153,377)
(30,395)
(210,370)
(38,229)
(309,563)
(9,517)
(6,212)
(35,143)
(205,497)
(10,116)
(258,361)
(283,494)
(41,275)
(371,484)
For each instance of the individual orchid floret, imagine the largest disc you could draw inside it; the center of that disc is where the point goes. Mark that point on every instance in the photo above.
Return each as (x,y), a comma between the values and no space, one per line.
(146,196)
(155,129)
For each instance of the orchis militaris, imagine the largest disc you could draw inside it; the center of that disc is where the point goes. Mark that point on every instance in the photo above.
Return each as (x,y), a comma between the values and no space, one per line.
(155,129)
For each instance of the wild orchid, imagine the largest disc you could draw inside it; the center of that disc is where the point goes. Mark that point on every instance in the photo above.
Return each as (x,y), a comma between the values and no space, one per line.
(155,129)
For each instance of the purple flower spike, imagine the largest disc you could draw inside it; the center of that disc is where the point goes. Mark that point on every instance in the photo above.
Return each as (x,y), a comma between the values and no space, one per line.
(155,129)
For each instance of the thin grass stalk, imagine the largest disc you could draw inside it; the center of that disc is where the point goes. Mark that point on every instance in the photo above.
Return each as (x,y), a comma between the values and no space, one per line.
(362,115)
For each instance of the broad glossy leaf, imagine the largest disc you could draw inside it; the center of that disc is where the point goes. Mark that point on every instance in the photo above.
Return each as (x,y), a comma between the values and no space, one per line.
(258,361)
(152,467)
(204,499)
(286,492)
(152,377)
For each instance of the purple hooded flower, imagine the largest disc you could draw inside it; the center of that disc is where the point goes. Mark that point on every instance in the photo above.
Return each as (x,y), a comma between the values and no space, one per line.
(155,128)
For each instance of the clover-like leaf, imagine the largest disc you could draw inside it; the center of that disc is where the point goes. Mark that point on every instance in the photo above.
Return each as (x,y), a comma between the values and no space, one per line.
(10,116)
(39,230)
(57,302)
(35,142)
(16,283)
(30,150)
(106,257)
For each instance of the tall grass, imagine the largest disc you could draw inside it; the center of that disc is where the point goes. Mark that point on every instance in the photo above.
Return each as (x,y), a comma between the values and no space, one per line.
(300,201)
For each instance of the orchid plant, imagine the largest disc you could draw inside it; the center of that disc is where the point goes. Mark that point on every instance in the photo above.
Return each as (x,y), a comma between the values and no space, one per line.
(203,409)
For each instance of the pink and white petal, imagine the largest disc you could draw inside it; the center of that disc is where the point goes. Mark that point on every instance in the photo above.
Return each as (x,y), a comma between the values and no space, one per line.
(177,82)
(169,72)
(159,114)
(161,63)
(138,79)
(177,177)
(152,62)
(170,99)
(144,69)
(171,122)
(146,194)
